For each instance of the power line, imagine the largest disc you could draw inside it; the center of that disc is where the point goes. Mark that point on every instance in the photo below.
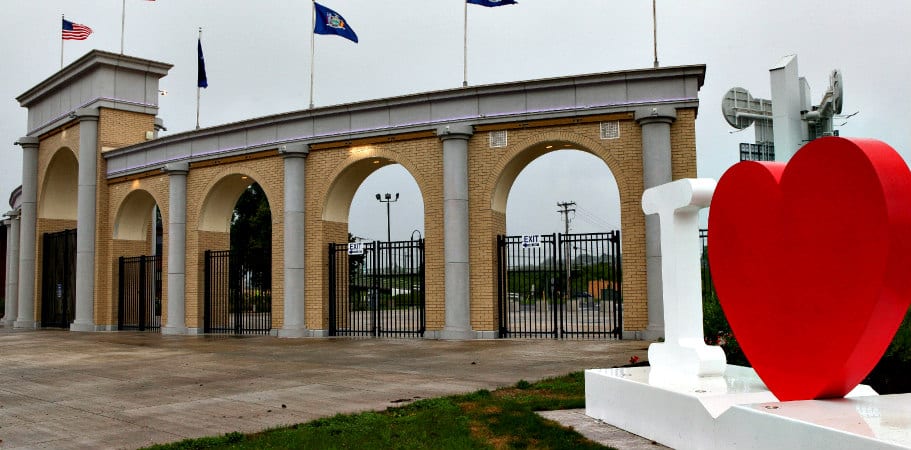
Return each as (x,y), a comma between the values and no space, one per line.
(594,219)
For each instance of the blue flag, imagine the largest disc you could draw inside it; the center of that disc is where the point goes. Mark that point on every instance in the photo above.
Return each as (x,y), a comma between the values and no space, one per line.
(201,81)
(492,3)
(331,22)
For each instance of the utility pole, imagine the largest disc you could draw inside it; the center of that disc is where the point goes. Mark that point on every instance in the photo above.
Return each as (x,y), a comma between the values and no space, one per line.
(566,208)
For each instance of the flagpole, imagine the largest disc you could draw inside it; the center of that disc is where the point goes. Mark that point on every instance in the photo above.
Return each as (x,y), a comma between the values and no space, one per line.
(62,18)
(312,47)
(655,32)
(465,46)
(198,89)
(123,21)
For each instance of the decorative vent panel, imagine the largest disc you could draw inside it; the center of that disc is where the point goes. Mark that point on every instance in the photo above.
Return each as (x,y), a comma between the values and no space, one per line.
(610,130)
(498,139)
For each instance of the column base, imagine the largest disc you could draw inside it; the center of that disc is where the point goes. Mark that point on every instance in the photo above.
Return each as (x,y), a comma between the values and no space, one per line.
(174,330)
(455,334)
(295,332)
(653,332)
(82,327)
(26,324)
(7,323)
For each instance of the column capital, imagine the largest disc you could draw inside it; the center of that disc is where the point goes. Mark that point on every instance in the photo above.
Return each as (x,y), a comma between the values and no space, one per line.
(29,142)
(455,131)
(14,214)
(176,168)
(656,114)
(86,114)
(295,150)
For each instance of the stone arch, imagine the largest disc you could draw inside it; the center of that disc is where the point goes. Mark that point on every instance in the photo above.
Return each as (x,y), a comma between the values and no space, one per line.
(351,173)
(222,194)
(134,216)
(515,160)
(59,190)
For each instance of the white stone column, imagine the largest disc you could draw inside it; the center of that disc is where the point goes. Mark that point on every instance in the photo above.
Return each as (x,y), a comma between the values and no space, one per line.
(11,298)
(295,157)
(27,233)
(455,231)
(656,170)
(177,248)
(86,218)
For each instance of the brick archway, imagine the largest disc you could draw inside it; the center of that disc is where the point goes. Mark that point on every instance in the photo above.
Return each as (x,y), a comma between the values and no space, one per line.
(622,156)
(330,198)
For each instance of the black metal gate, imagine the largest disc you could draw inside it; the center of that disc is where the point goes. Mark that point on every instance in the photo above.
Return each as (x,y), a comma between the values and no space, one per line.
(377,289)
(238,292)
(139,297)
(564,286)
(58,279)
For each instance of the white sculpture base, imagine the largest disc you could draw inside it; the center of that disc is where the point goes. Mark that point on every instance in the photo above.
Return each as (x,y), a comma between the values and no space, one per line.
(737,411)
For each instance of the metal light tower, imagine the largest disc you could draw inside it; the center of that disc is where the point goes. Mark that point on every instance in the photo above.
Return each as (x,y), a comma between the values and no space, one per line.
(388,199)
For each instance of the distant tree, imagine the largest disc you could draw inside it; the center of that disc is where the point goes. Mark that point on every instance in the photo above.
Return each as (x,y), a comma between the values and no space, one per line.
(251,224)
(251,233)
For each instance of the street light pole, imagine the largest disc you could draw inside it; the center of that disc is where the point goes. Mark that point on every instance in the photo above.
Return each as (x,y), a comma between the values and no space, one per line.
(387,199)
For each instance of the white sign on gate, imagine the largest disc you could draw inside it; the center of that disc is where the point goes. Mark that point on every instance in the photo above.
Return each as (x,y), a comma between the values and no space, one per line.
(533,241)
(355,248)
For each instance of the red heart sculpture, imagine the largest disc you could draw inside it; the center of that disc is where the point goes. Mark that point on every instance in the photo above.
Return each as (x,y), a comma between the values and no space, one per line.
(812,262)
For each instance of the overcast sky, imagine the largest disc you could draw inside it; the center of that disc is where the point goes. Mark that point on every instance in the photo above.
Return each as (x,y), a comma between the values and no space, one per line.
(258,63)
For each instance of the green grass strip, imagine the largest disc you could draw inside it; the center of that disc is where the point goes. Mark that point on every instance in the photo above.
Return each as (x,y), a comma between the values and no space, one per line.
(502,419)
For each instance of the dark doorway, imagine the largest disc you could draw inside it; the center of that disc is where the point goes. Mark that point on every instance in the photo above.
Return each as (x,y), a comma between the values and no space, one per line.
(58,279)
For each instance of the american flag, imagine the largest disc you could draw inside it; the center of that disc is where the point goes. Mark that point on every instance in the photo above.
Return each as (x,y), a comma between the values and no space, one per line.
(75,31)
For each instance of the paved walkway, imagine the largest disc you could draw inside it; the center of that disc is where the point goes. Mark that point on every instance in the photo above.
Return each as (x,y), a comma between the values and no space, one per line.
(66,390)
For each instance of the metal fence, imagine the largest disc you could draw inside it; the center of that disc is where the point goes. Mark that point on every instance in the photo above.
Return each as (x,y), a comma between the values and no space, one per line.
(377,289)
(139,298)
(564,286)
(238,292)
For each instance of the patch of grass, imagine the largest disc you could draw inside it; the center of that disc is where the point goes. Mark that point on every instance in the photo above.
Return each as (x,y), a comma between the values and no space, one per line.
(502,419)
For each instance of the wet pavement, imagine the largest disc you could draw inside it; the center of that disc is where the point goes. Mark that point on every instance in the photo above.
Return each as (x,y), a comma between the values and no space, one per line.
(66,390)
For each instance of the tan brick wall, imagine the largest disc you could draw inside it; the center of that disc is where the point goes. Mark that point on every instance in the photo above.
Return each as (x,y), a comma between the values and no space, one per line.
(122,128)
(683,144)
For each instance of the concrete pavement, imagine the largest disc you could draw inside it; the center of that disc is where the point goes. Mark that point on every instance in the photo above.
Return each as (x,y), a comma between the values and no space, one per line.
(67,390)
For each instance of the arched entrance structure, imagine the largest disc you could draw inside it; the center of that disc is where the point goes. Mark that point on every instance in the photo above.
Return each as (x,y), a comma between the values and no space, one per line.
(464,148)
(56,256)
(541,298)
(235,292)
(137,281)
